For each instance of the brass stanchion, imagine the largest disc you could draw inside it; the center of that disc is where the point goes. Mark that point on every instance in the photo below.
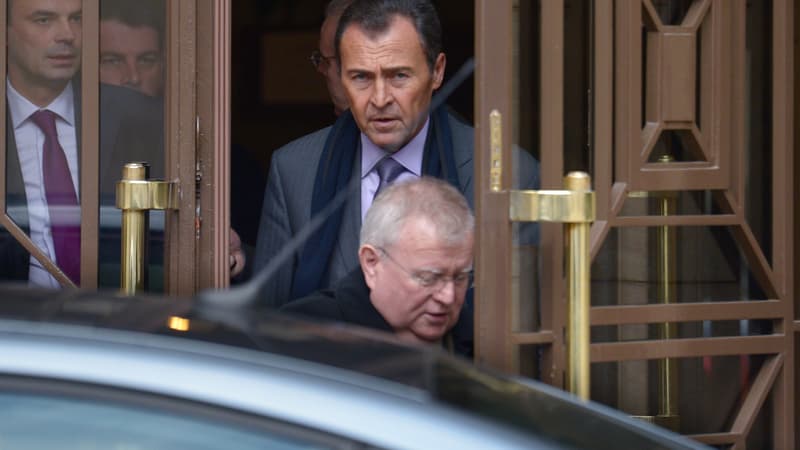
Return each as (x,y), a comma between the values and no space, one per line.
(667,415)
(667,377)
(135,197)
(578,289)
(575,207)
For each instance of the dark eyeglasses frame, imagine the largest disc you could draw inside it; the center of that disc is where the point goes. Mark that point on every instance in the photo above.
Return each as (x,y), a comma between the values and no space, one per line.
(433,280)
(317,58)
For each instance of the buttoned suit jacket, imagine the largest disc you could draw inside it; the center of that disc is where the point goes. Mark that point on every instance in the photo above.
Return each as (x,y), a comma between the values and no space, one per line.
(131,129)
(287,206)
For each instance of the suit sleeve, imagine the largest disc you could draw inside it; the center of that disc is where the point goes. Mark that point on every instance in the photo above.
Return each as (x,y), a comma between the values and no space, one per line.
(274,231)
(14,259)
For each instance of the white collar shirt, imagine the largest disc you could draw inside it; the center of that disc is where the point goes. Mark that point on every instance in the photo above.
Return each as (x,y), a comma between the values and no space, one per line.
(30,141)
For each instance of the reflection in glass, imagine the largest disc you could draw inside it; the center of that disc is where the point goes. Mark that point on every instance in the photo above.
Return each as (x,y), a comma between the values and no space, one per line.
(42,139)
(132,76)
(685,203)
(710,392)
(711,265)
(758,163)
(526,172)
(684,330)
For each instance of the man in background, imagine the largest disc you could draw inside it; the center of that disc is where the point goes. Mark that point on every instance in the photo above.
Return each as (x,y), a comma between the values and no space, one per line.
(131,45)
(132,56)
(324,59)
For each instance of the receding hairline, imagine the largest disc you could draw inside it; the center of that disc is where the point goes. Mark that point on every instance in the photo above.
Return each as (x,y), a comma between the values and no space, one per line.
(440,203)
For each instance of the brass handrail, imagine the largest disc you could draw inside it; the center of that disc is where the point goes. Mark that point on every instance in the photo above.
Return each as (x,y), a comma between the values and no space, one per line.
(136,196)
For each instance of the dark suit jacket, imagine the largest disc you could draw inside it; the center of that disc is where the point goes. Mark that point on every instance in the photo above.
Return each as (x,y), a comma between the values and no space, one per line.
(287,205)
(131,129)
(348,301)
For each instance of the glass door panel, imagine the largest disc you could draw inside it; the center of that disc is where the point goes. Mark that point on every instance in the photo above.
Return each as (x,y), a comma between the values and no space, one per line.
(132,71)
(51,237)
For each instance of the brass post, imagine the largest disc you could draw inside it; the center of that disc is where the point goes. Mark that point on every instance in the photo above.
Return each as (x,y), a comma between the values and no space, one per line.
(667,376)
(134,227)
(136,196)
(574,206)
(578,289)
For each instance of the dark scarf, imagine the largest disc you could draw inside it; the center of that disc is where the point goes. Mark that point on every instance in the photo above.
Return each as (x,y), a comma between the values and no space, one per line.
(333,175)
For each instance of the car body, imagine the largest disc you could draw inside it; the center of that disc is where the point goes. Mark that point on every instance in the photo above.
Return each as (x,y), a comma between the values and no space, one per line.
(98,370)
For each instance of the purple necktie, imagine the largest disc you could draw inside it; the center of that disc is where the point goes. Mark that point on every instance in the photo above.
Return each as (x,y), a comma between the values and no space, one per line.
(62,202)
(388,171)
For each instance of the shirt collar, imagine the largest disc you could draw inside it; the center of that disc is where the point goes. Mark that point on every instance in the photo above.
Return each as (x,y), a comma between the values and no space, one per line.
(410,155)
(21,108)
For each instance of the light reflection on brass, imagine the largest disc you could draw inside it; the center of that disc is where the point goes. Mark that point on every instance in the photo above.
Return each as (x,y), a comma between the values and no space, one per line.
(578,290)
(178,323)
(496,137)
(134,227)
(553,206)
(574,206)
(135,197)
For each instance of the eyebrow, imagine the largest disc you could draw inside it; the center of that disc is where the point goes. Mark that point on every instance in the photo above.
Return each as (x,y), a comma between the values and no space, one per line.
(49,13)
(386,70)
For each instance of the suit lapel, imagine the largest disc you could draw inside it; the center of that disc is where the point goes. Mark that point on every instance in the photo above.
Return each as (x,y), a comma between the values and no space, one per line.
(346,256)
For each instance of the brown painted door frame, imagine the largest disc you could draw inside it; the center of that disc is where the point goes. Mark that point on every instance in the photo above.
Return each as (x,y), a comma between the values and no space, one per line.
(620,167)
(198,144)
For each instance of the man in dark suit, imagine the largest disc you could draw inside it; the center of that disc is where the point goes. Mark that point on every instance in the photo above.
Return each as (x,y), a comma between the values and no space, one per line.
(391,61)
(415,260)
(43,118)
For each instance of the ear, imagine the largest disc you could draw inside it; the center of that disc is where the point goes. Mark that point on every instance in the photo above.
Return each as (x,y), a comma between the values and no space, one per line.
(369,258)
(438,70)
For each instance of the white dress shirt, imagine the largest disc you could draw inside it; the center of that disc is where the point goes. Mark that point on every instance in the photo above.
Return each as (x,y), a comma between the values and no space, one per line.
(30,142)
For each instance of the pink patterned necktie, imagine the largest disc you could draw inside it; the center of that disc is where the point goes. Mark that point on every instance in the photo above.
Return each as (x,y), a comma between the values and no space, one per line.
(388,170)
(62,202)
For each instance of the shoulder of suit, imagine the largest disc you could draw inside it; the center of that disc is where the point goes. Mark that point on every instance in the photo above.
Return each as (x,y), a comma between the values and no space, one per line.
(461,131)
(319,304)
(303,148)
(129,101)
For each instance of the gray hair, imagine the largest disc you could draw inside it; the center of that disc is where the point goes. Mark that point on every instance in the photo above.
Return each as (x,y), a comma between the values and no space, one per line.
(428,197)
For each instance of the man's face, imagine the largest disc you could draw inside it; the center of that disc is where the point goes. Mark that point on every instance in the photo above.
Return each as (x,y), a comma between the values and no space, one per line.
(131,57)
(388,82)
(328,66)
(415,312)
(44,43)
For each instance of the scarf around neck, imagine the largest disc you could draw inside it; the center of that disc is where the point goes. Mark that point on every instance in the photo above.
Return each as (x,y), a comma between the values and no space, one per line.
(334,173)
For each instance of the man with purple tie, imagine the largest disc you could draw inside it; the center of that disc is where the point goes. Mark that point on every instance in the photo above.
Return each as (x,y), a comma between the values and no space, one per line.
(43,137)
(391,61)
